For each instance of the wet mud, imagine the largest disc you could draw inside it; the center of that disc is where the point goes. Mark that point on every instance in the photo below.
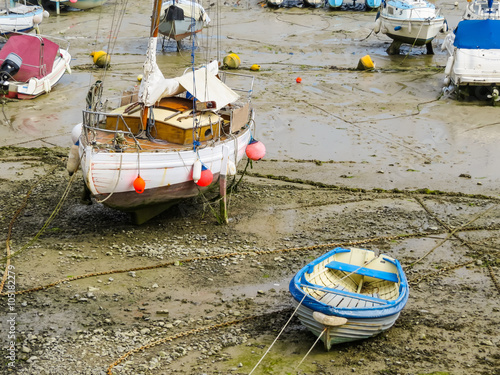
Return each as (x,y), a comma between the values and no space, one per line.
(375,159)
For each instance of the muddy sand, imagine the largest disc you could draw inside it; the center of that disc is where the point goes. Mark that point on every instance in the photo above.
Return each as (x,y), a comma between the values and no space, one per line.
(375,159)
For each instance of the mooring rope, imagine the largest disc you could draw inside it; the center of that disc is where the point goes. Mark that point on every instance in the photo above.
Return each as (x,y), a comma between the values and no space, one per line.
(312,347)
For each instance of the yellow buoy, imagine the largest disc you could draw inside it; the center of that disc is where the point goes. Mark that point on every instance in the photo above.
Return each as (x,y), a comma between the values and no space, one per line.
(232,61)
(101,58)
(139,77)
(255,67)
(366,63)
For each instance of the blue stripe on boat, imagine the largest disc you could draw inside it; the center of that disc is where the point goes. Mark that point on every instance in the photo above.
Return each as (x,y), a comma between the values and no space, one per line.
(383,275)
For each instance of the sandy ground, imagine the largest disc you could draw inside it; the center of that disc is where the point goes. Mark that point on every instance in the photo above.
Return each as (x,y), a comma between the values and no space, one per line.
(376,158)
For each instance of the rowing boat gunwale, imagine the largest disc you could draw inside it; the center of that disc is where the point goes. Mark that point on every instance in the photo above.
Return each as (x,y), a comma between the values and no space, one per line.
(297,286)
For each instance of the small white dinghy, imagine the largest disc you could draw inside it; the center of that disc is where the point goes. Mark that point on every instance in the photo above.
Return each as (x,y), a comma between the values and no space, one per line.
(349,294)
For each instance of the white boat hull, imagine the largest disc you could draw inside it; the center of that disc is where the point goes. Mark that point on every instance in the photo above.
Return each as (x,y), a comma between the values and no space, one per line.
(353,330)
(168,174)
(20,19)
(474,67)
(414,32)
(82,4)
(178,30)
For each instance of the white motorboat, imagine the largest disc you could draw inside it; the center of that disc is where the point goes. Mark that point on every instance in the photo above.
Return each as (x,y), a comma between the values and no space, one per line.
(31,65)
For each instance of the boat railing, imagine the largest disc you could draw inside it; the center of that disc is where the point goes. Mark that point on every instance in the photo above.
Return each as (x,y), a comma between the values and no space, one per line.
(61,42)
(234,81)
(96,121)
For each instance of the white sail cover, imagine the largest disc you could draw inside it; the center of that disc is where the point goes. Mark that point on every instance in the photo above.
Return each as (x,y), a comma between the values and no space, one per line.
(153,83)
(205,86)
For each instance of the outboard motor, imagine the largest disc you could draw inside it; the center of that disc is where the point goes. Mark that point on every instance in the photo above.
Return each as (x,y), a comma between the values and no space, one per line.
(9,68)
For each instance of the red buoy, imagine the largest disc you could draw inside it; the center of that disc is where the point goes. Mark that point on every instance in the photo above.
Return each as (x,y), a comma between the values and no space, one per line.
(139,185)
(298,80)
(255,150)
(206,177)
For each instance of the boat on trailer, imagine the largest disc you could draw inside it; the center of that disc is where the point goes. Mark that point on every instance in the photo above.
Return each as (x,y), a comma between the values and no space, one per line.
(349,294)
(30,65)
(170,141)
(413,22)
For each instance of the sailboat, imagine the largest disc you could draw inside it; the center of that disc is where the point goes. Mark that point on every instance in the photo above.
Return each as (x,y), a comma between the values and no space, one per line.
(181,19)
(20,17)
(414,22)
(172,140)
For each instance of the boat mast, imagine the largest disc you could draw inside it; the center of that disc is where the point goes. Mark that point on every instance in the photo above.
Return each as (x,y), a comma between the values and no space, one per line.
(153,33)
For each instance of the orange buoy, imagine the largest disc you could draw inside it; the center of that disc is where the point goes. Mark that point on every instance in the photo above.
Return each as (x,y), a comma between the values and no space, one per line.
(206,177)
(298,80)
(139,185)
(255,150)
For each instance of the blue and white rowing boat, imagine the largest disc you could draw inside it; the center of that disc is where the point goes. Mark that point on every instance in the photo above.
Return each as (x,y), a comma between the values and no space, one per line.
(349,294)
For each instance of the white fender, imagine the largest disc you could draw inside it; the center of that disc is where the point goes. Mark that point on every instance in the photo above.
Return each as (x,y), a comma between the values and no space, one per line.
(46,85)
(73,158)
(376,28)
(446,81)
(68,68)
(37,19)
(231,168)
(449,65)
(197,170)
(76,132)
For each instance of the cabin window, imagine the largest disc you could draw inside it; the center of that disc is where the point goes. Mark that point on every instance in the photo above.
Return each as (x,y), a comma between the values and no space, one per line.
(390,11)
(208,133)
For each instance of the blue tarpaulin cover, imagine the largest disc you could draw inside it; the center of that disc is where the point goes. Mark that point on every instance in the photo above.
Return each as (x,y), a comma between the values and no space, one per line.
(478,34)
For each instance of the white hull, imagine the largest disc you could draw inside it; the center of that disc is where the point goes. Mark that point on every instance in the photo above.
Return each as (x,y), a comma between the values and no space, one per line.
(22,18)
(414,22)
(168,174)
(473,67)
(415,32)
(315,3)
(353,330)
(82,4)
